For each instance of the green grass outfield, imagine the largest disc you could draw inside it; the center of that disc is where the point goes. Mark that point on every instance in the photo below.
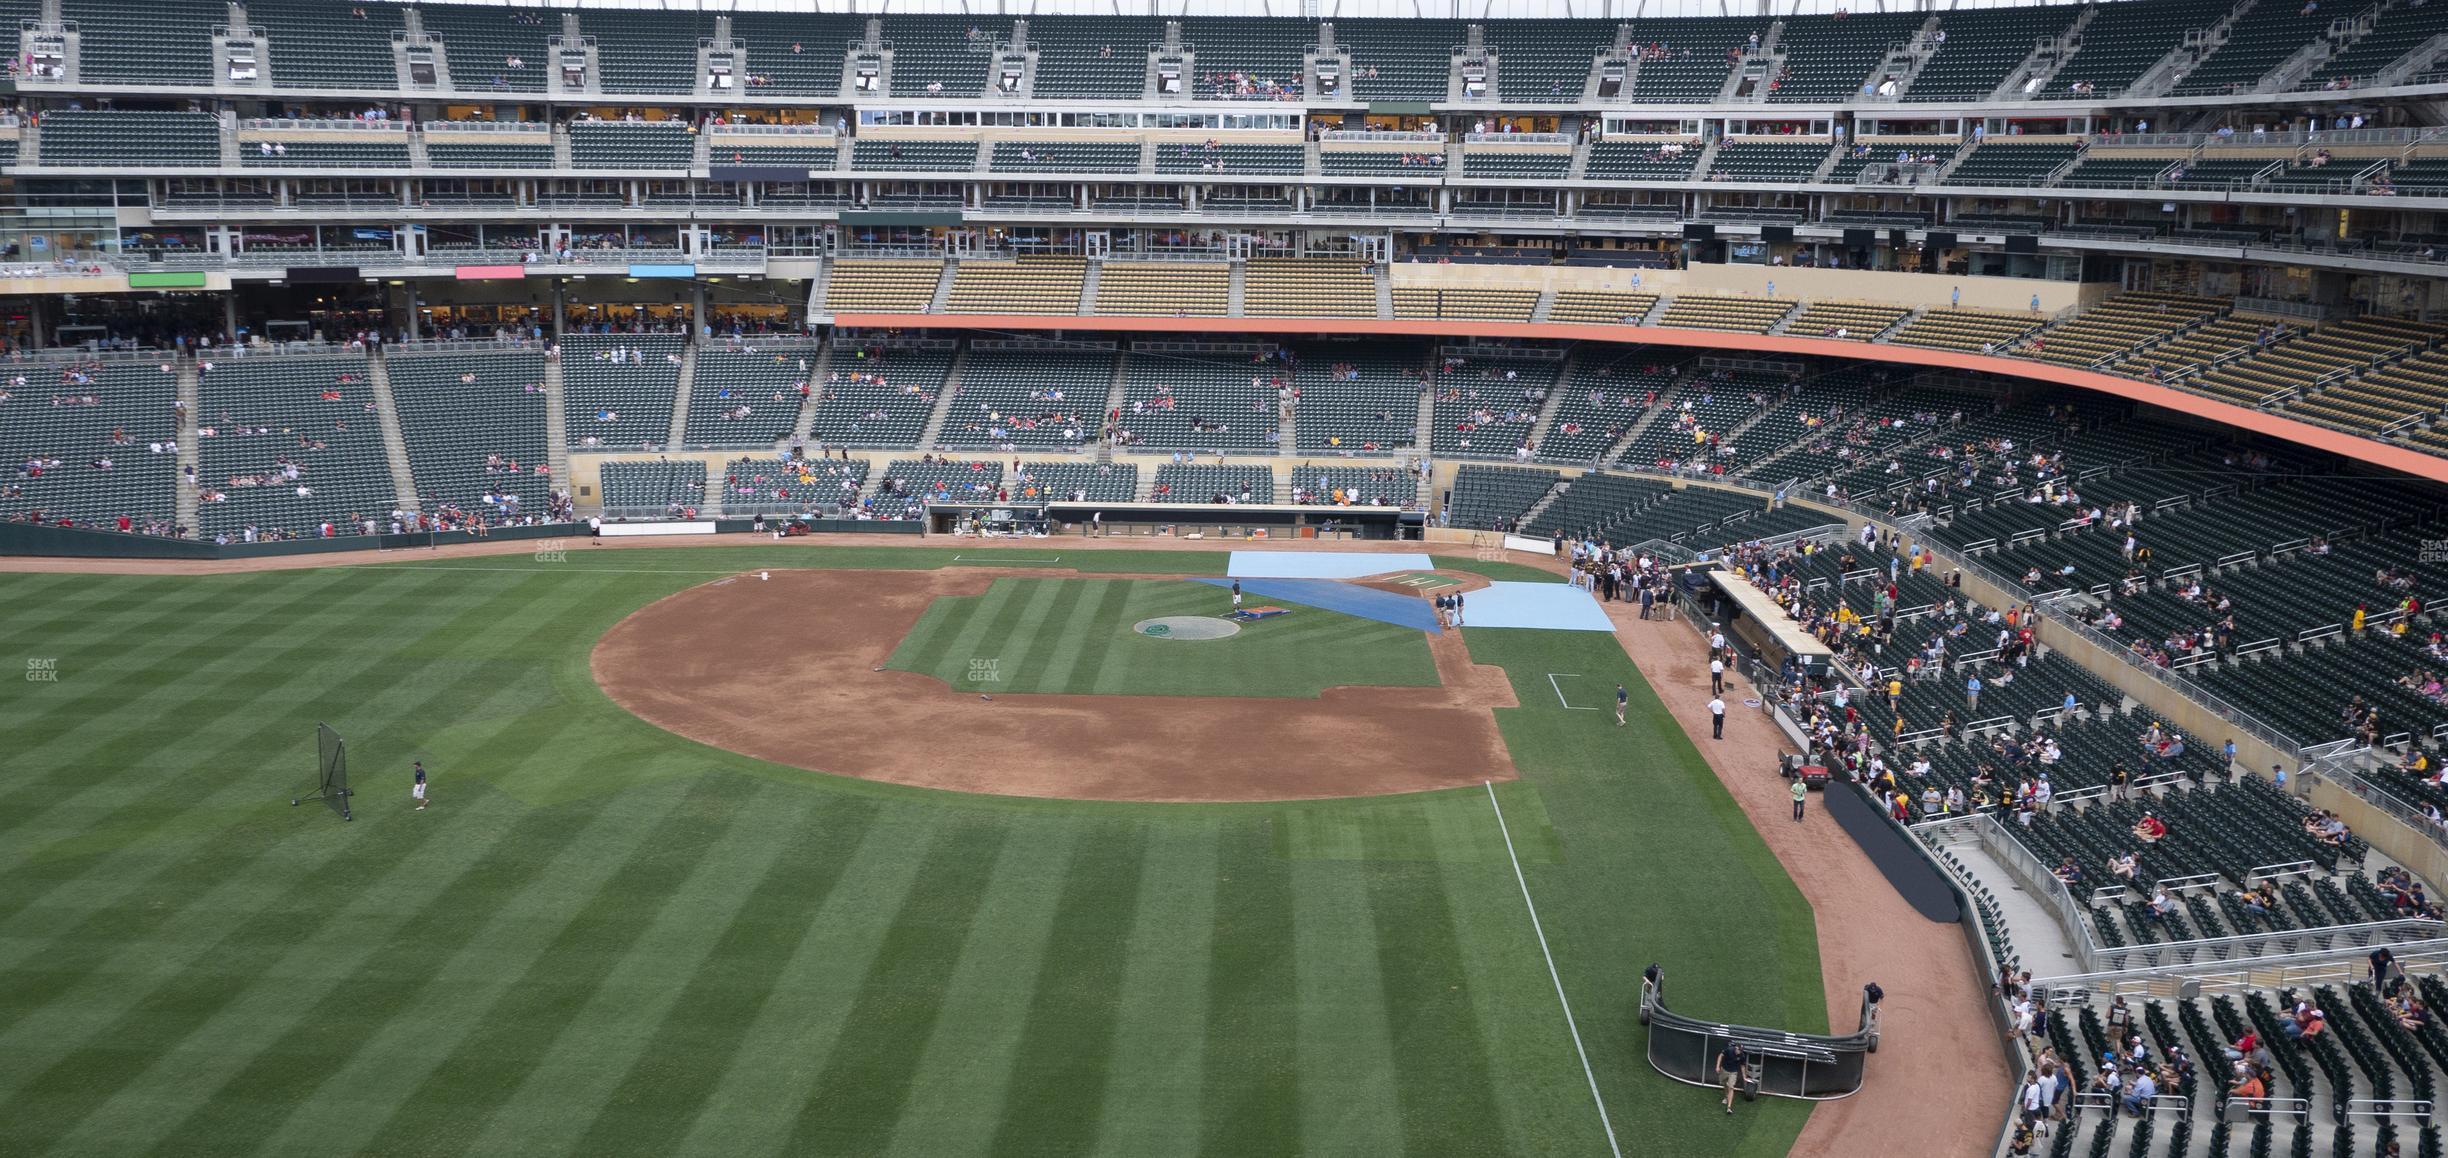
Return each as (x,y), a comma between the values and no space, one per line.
(604,939)
(1074,635)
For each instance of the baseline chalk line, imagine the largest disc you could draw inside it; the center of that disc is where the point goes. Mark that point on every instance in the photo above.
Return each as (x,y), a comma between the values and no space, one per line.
(1586,1072)
(1569,706)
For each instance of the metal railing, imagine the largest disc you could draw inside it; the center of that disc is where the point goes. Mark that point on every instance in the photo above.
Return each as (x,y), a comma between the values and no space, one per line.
(1516,138)
(2345,960)
(1372,137)
(323,125)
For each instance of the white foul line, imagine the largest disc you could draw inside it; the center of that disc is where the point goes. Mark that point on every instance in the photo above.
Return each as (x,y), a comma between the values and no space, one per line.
(1569,1023)
(544,569)
(1023,559)
(1559,691)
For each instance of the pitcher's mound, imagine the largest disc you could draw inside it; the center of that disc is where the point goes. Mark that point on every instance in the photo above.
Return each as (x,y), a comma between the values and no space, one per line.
(1186,627)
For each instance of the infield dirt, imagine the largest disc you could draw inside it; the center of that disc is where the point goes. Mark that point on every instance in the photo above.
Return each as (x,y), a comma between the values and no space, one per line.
(787,670)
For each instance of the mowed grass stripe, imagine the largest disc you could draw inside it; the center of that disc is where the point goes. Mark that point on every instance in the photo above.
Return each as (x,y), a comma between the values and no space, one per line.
(558,1097)
(1444,1074)
(185,674)
(1086,610)
(1156,1077)
(182,994)
(1054,1096)
(42,606)
(92,889)
(326,1030)
(441,991)
(515,1032)
(1253,1082)
(988,625)
(921,647)
(341,682)
(1344,1033)
(856,1100)
(958,1081)
(1038,610)
(766,1073)
(667,1082)
(218,679)
(185,1074)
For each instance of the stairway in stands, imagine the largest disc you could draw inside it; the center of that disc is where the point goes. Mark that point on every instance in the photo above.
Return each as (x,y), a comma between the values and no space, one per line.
(395,446)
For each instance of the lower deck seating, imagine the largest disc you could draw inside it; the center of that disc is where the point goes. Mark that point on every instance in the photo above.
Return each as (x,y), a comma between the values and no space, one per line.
(1110,482)
(1487,406)
(618,389)
(874,395)
(788,486)
(1360,398)
(747,396)
(289,444)
(474,425)
(652,489)
(1494,498)
(89,443)
(909,484)
(1178,482)
(1029,398)
(1381,486)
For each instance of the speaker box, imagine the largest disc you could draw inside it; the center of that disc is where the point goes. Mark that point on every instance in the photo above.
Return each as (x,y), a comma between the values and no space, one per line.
(1699,231)
(2022,243)
(1941,241)
(1776,233)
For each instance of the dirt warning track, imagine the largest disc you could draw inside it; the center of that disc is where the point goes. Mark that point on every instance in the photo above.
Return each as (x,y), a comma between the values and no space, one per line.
(786,670)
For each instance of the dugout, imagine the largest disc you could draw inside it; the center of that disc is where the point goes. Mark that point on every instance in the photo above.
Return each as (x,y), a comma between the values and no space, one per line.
(1808,1066)
(1211,520)
(1751,616)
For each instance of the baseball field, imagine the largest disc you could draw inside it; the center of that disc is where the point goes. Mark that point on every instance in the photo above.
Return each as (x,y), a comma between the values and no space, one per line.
(736,933)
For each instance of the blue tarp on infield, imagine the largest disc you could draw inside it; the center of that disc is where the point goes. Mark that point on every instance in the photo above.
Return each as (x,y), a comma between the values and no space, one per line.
(1321,564)
(1331,595)
(1555,606)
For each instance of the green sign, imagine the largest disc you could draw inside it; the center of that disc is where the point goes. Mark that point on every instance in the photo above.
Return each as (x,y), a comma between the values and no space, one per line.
(192,279)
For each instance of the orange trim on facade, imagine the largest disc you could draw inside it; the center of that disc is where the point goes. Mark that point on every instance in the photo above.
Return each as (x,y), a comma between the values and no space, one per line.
(2380,454)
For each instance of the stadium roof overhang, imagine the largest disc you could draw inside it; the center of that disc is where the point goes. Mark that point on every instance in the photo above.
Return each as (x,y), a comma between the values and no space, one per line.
(2385,455)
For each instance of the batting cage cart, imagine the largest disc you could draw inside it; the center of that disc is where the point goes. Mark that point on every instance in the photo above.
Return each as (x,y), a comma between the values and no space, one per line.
(1815,1067)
